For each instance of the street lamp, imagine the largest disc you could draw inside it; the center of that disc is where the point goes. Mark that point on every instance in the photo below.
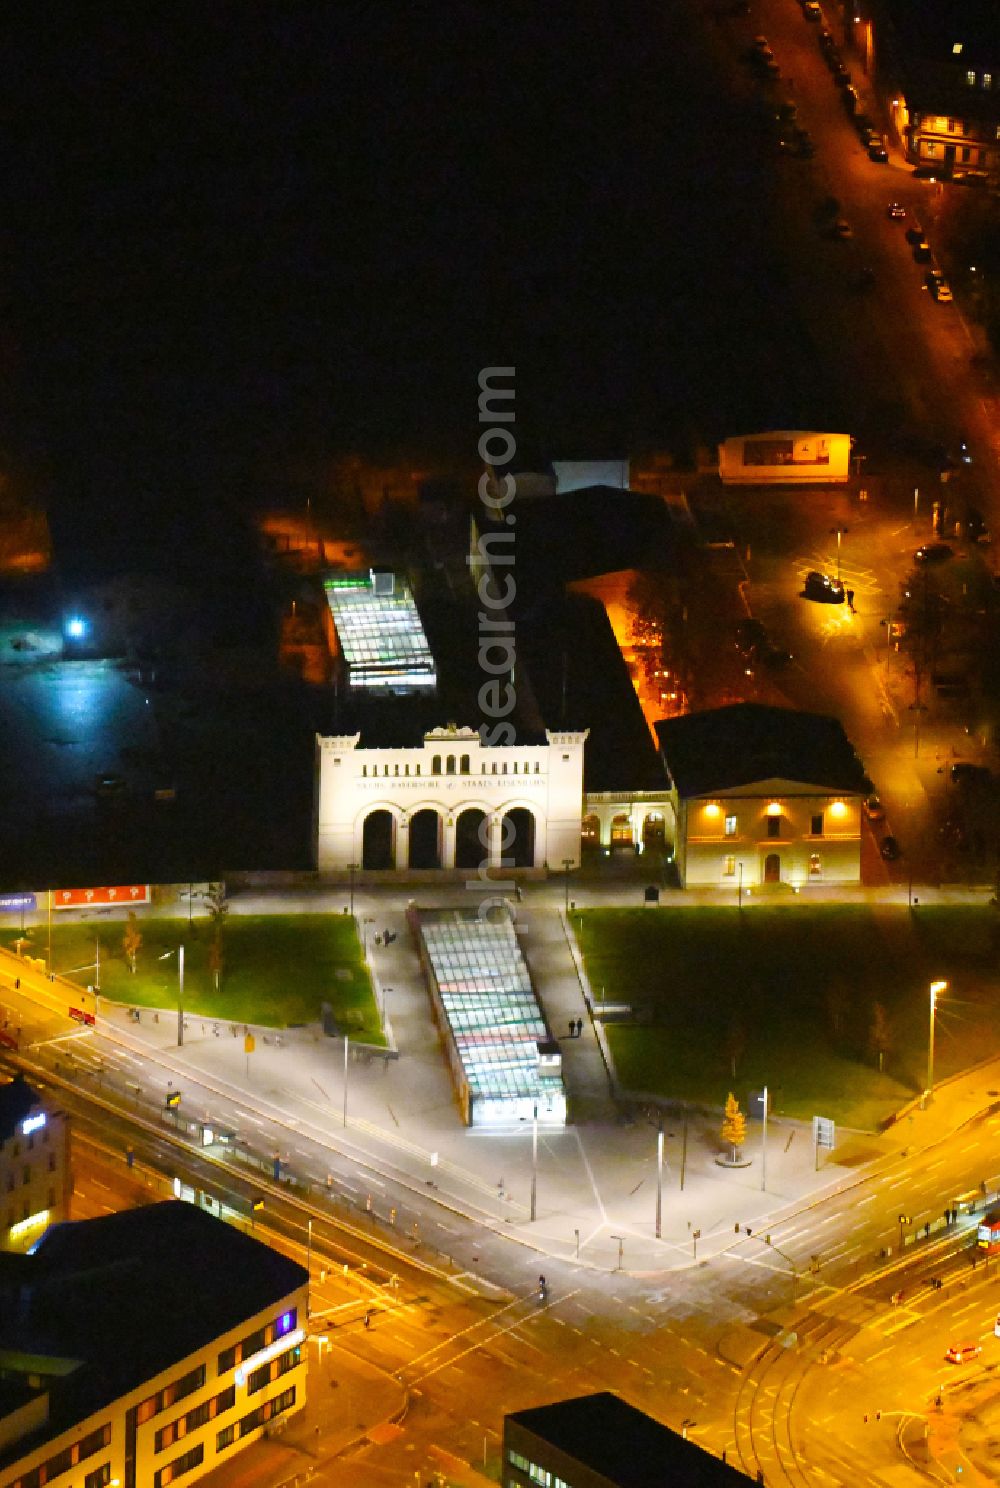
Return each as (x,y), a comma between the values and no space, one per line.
(353,867)
(936,987)
(621,1249)
(838,533)
(567,865)
(534,1159)
(659,1181)
(180,992)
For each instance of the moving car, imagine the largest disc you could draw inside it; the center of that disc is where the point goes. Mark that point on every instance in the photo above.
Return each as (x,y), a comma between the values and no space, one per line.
(895,211)
(938,286)
(841,229)
(874,809)
(878,152)
(889,848)
(822,588)
(933,553)
(960,1353)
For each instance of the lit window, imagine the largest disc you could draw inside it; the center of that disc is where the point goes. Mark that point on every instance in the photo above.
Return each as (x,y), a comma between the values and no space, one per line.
(970,78)
(957,49)
(730,826)
(729,870)
(816,824)
(815,866)
(930,149)
(987,80)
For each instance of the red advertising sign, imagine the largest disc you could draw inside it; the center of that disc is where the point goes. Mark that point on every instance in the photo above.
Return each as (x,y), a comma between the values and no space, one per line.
(100,898)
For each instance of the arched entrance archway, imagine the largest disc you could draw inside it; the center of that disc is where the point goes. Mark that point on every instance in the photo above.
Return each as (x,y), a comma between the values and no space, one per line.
(654,832)
(425,839)
(378,840)
(471,841)
(772,868)
(518,838)
(621,830)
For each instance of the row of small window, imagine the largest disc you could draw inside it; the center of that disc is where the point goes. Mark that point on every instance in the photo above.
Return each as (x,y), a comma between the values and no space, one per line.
(540,1475)
(774,825)
(259,1417)
(273,1369)
(26,1173)
(815,866)
(170,1394)
(253,1343)
(27,1210)
(29,1144)
(463,768)
(966,155)
(985,79)
(69,1457)
(184,1425)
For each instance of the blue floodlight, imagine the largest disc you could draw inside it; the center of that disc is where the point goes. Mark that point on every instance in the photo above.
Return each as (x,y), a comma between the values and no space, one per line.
(76,628)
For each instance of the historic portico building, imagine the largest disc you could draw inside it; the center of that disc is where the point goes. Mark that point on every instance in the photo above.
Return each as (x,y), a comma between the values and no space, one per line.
(450,803)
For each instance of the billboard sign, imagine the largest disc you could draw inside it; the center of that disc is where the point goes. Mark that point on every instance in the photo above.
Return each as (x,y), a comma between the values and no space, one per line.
(103,898)
(10,902)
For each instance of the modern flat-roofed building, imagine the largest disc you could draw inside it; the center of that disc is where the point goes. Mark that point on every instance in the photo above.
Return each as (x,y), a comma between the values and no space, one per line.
(600,1441)
(144,1348)
(763,796)
(34,1165)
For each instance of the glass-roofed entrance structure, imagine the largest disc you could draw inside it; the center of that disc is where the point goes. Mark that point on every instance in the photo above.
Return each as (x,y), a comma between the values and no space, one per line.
(379,633)
(504,1062)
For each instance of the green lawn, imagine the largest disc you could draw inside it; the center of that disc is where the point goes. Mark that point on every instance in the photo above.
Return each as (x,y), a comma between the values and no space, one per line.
(792,989)
(277,969)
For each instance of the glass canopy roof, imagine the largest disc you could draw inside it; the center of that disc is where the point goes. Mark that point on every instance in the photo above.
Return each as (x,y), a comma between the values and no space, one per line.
(379,631)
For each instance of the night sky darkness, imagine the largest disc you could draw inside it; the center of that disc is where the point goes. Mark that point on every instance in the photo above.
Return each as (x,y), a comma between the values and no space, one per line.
(242,238)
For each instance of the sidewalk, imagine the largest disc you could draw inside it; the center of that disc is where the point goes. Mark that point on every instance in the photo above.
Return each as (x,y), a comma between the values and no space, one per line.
(596,1179)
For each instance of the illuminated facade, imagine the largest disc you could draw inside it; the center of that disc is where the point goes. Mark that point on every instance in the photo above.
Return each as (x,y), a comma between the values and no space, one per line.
(450,803)
(144,1348)
(35,1179)
(763,797)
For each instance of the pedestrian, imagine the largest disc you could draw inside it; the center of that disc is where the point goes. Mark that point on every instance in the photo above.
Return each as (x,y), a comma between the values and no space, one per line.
(850,600)
(579,1027)
(368,1319)
(572,1028)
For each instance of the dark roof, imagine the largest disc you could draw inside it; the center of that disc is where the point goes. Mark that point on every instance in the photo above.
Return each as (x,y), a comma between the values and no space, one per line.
(580,680)
(129,1295)
(931,28)
(739,745)
(16,1101)
(626,1446)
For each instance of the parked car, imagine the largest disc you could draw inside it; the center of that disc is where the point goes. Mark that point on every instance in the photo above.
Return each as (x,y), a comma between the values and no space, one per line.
(750,634)
(878,152)
(822,588)
(889,848)
(961,1353)
(811,10)
(804,145)
(841,229)
(914,235)
(922,251)
(865,279)
(933,553)
(895,211)
(938,286)
(874,809)
(841,76)
(966,773)
(110,785)
(826,40)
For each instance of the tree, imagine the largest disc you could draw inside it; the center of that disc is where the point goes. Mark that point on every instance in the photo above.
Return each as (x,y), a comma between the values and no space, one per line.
(734,1127)
(132,940)
(880,1034)
(736,1042)
(218,909)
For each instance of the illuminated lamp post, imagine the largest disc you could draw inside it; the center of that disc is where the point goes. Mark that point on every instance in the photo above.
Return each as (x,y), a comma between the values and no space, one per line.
(936,987)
